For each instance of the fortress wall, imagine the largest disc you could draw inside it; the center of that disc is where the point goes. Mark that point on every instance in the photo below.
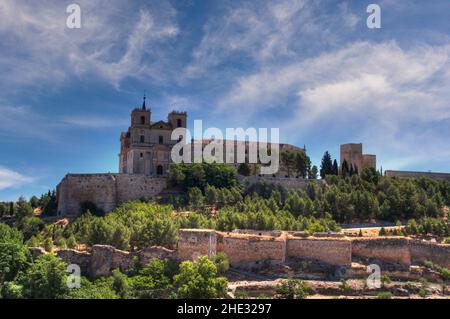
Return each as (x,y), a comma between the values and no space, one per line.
(329,250)
(106,191)
(425,251)
(248,250)
(244,249)
(73,190)
(131,187)
(369,160)
(407,174)
(193,243)
(106,258)
(387,249)
(149,253)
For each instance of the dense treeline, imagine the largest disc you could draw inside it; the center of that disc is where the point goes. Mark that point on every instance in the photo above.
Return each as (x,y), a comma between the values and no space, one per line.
(225,205)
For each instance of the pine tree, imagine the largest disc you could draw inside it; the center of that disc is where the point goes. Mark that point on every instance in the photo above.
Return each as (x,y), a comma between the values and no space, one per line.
(335,168)
(326,166)
(345,169)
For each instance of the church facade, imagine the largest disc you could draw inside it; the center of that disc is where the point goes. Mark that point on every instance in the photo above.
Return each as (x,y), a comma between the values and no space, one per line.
(145,147)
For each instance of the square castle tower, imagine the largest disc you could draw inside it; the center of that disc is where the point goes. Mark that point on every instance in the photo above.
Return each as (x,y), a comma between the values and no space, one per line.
(353,154)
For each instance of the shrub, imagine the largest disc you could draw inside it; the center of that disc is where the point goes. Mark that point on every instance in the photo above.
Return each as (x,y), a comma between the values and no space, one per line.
(293,289)
(384,295)
(221,262)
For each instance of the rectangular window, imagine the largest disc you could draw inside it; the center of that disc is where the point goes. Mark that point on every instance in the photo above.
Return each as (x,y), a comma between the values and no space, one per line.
(142,139)
(161,140)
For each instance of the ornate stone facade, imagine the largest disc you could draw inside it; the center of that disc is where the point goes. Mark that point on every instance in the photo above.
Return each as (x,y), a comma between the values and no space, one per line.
(145,148)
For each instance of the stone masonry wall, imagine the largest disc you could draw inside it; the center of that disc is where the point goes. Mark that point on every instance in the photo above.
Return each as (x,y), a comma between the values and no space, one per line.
(244,249)
(103,259)
(193,243)
(426,251)
(106,191)
(395,250)
(333,251)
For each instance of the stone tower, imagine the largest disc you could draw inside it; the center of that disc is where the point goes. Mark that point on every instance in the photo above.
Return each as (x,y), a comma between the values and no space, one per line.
(353,154)
(145,147)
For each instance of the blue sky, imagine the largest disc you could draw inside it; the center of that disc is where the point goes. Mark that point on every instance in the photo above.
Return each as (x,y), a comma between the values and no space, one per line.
(311,68)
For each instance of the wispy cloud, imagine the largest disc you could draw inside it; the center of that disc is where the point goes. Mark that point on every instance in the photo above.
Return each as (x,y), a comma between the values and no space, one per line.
(94,121)
(12,179)
(114,42)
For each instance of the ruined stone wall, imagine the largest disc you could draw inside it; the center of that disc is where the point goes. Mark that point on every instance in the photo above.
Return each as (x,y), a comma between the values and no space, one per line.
(193,243)
(103,259)
(106,191)
(425,251)
(333,251)
(395,250)
(80,258)
(246,249)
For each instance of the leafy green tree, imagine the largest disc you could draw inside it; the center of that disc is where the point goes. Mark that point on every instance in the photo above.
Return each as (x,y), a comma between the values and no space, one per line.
(288,161)
(198,280)
(14,254)
(71,242)
(34,202)
(23,208)
(335,168)
(29,225)
(48,244)
(11,290)
(196,199)
(312,174)
(301,163)
(221,262)
(244,169)
(99,289)
(46,278)
(120,284)
(121,237)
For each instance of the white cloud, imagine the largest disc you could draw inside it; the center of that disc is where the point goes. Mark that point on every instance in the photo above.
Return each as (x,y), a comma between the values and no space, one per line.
(116,41)
(12,179)
(268,32)
(394,99)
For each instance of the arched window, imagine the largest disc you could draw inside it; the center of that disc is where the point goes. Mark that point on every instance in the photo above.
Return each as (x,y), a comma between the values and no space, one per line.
(142,120)
(159,170)
(179,123)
